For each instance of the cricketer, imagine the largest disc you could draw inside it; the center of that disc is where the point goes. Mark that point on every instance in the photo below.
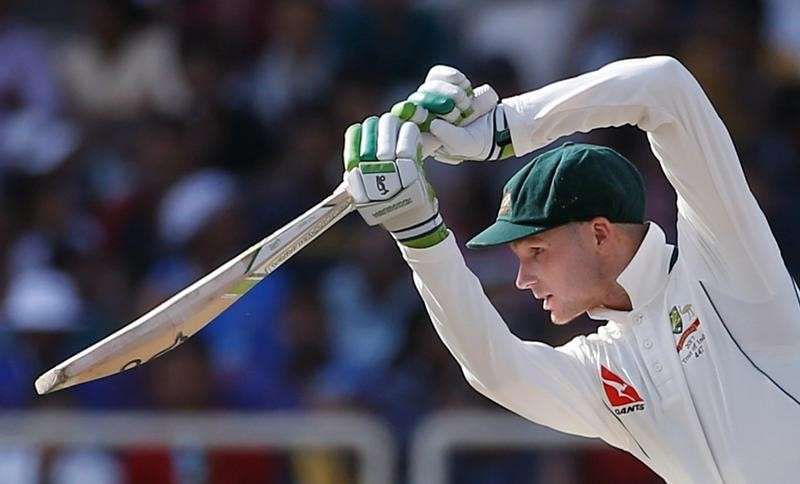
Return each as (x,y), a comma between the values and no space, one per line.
(697,370)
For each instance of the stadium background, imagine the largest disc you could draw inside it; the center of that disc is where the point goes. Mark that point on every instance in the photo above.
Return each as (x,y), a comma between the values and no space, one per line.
(144,142)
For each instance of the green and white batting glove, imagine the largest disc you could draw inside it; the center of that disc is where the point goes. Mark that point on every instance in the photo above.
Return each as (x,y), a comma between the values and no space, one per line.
(446,107)
(383,173)
(446,93)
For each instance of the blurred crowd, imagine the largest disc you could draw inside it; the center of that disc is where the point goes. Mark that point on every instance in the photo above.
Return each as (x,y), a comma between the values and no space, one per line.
(144,142)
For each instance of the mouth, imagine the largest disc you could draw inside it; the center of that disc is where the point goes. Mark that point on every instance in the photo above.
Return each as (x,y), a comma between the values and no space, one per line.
(540,295)
(546,302)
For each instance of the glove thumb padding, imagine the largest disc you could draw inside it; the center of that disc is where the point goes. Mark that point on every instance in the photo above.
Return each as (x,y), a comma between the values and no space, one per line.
(453,138)
(429,144)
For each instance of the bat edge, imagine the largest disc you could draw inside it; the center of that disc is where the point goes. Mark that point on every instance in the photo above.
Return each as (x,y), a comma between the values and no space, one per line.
(50,381)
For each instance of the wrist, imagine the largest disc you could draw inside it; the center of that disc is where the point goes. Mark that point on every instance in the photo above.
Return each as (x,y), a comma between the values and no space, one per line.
(521,123)
(424,234)
(502,147)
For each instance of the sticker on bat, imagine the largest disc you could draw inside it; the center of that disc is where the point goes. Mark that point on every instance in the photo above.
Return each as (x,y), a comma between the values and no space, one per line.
(180,338)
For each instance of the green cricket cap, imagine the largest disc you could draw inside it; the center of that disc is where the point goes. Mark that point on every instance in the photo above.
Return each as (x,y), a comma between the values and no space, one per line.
(575,182)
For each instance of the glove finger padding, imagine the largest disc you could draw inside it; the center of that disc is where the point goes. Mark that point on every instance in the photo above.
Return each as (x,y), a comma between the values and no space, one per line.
(388,128)
(352,146)
(382,179)
(451,83)
(369,139)
(462,100)
(368,179)
(439,104)
(415,109)
(409,145)
(484,101)
(450,75)
(382,158)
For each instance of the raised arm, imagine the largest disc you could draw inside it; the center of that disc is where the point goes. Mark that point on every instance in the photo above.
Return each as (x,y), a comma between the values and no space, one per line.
(718,215)
(720,224)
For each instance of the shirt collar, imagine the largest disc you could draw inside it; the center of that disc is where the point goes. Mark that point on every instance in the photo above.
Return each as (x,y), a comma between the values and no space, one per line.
(644,276)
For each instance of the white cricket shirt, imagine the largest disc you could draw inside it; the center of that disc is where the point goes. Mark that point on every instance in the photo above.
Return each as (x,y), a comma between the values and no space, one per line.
(701,380)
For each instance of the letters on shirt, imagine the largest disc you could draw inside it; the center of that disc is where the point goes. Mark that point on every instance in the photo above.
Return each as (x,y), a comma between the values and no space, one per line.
(621,395)
(691,340)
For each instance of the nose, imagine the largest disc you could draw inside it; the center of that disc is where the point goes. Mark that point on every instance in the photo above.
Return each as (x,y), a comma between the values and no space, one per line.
(524,277)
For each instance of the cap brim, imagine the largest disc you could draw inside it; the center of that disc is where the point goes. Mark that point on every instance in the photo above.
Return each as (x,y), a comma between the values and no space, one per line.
(503,232)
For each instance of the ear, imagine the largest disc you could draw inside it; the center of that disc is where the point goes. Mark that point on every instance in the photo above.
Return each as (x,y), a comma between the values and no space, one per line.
(602,231)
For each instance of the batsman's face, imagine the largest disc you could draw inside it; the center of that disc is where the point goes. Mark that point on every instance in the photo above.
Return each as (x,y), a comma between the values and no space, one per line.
(561,268)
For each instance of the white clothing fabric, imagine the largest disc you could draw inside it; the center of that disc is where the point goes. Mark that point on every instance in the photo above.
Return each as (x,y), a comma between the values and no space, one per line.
(701,379)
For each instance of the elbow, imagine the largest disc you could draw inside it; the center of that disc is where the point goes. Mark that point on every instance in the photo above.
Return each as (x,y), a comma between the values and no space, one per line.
(488,386)
(663,78)
(480,385)
(668,66)
(668,73)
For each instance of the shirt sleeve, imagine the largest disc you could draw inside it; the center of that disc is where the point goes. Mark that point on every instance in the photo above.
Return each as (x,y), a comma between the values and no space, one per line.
(719,220)
(556,387)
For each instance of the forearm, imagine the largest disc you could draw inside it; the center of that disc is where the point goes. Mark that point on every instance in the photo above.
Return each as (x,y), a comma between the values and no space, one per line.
(544,384)
(632,91)
(462,315)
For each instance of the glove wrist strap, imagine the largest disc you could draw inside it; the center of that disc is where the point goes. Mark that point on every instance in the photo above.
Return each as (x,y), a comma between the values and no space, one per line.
(502,147)
(423,235)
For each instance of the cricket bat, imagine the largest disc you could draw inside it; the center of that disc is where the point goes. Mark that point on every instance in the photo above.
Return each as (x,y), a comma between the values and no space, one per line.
(178,318)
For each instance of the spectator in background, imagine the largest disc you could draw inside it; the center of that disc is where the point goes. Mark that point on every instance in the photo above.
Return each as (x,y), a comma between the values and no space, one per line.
(40,309)
(781,18)
(535,36)
(183,381)
(397,41)
(777,179)
(26,78)
(365,338)
(222,131)
(42,306)
(243,93)
(295,64)
(234,27)
(33,137)
(122,66)
(202,224)
(725,53)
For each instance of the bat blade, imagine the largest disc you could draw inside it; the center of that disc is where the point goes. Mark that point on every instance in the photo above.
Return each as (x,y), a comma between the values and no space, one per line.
(184,314)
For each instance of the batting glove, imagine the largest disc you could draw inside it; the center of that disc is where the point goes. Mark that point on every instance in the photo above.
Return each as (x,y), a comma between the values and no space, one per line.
(383,173)
(446,108)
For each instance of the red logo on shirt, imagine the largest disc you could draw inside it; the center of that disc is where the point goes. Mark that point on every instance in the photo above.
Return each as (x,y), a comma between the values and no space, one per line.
(618,391)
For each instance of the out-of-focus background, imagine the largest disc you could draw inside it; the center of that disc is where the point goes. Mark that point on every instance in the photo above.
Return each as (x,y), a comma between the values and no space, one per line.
(142,143)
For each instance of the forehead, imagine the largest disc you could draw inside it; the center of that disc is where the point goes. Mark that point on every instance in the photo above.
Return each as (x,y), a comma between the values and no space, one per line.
(538,240)
(547,237)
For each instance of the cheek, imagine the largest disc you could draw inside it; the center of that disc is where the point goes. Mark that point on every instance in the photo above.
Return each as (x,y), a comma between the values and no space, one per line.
(571,278)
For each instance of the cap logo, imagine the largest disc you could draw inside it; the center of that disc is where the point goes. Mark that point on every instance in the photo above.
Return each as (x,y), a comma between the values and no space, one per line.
(505,205)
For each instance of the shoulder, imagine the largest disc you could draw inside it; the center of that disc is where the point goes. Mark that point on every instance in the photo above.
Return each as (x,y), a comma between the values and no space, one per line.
(590,347)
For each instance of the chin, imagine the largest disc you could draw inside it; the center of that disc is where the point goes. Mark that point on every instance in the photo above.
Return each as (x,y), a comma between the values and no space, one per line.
(560,319)
(562,311)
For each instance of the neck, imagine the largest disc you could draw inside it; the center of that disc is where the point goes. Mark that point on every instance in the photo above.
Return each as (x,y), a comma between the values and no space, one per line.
(615,296)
